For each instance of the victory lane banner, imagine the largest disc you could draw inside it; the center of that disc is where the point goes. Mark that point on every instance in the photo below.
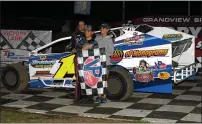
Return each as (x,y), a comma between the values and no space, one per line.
(15,45)
(92,71)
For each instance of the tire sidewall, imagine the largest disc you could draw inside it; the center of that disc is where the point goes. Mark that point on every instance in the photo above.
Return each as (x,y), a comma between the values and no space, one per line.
(124,85)
(4,82)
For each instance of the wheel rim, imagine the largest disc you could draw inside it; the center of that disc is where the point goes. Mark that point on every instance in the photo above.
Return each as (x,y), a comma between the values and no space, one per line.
(114,86)
(11,78)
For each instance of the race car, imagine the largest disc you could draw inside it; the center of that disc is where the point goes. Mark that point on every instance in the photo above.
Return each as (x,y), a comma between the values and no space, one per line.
(145,59)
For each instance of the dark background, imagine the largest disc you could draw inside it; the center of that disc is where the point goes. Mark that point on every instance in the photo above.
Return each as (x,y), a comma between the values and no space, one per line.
(49,15)
(52,15)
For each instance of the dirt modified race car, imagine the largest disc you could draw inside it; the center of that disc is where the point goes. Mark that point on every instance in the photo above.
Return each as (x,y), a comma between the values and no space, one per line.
(145,59)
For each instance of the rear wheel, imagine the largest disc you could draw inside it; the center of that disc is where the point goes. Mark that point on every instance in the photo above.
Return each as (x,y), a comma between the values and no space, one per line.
(120,84)
(15,77)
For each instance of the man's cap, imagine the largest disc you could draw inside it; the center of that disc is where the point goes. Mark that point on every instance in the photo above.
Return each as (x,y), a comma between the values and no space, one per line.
(89,28)
(105,25)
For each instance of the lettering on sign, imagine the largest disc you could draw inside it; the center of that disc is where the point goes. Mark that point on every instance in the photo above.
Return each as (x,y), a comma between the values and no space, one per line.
(14,34)
(173,20)
(199,45)
(146,53)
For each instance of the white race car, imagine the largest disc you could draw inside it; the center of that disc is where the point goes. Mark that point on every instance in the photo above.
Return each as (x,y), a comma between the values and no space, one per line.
(145,59)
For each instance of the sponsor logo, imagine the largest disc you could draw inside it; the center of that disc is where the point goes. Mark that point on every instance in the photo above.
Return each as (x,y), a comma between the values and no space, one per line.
(195,31)
(143,73)
(12,55)
(159,65)
(144,77)
(135,40)
(171,37)
(92,71)
(117,56)
(43,62)
(42,73)
(146,53)
(164,75)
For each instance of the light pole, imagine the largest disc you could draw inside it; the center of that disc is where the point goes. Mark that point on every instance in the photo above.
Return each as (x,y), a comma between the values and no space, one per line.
(123,11)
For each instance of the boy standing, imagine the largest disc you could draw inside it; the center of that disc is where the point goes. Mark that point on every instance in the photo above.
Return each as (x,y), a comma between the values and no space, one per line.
(105,41)
(85,44)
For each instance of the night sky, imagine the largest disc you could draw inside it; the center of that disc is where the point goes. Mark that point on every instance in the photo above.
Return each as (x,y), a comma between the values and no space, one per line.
(13,14)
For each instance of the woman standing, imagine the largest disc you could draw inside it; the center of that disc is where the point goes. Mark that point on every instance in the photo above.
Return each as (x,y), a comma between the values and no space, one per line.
(105,41)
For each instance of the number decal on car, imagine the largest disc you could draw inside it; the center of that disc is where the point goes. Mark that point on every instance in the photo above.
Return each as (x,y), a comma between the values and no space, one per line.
(66,67)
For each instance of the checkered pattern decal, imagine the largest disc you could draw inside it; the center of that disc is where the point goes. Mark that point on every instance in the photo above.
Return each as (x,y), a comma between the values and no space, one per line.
(4,44)
(95,54)
(31,42)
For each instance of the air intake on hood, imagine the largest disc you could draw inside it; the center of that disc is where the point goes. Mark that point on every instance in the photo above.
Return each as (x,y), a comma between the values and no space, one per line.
(144,28)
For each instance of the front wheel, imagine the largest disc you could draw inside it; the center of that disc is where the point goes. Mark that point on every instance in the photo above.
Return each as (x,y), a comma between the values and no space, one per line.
(120,84)
(15,77)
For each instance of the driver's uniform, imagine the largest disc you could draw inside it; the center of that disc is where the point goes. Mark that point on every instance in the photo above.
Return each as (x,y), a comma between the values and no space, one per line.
(76,40)
(77,37)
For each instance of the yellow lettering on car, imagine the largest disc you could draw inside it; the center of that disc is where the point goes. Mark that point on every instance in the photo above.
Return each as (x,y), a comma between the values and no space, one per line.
(66,67)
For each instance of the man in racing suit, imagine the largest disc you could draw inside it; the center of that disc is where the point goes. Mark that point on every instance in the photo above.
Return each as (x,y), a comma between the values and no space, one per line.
(83,43)
(77,37)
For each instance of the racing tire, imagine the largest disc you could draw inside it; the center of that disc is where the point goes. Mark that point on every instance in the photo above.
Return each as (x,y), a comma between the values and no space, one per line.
(120,84)
(15,77)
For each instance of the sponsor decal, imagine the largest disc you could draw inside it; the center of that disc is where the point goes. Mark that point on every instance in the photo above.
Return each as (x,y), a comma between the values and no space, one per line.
(92,71)
(172,37)
(67,67)
(143,73)
(43,73)
(13,55)
(43,62)
(146,53)
(159,65)
(135,40)
(117,56)
(163,75)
